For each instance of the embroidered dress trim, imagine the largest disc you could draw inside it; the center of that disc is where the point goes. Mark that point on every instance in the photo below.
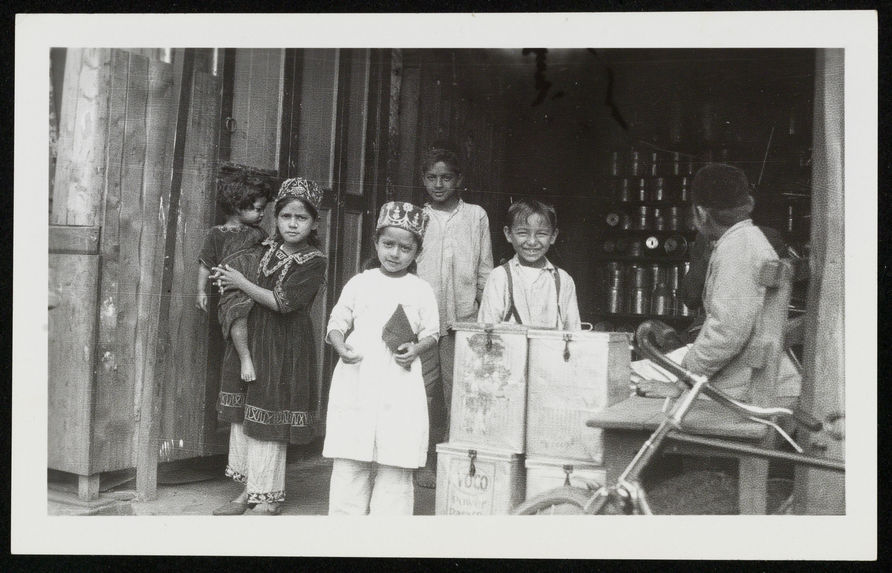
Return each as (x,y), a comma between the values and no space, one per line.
(278,417)
(237,476)
(269,497)
(284,263)
(232,399)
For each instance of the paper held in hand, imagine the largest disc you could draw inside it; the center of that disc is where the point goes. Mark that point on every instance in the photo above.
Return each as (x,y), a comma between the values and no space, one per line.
(398,331)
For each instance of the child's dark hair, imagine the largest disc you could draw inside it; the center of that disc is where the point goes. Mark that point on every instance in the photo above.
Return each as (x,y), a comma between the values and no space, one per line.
(520,211)
(441,151)
(374,262)
(313,238)
(238,189)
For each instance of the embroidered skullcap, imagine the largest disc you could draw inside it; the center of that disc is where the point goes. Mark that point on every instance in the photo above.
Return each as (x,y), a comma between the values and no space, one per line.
(403,215)
(720,186)
(301,188)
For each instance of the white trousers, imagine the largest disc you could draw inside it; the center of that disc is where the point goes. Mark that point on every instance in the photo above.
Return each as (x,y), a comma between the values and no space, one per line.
(353,490)
(259,464)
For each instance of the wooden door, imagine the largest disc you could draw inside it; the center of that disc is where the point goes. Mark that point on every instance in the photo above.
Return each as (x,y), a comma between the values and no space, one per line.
(332,133)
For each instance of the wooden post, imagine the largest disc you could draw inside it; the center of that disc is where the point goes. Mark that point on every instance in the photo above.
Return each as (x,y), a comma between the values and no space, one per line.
(149,422)
(823,385)
(80,162)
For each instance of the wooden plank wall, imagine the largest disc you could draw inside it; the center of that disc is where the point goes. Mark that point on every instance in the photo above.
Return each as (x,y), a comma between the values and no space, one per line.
(444,95)
(186,395)
(72,328)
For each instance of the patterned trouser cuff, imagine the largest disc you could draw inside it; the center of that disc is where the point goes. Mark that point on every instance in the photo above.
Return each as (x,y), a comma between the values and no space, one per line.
(239,477)
(269,497)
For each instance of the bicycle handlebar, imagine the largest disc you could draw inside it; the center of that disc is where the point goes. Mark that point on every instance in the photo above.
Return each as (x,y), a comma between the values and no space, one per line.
(653,335)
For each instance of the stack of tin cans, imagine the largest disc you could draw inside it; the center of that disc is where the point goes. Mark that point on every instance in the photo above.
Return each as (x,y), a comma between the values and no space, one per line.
(644,289)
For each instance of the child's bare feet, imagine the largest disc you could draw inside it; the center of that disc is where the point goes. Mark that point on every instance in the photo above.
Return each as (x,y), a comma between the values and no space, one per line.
(248,374)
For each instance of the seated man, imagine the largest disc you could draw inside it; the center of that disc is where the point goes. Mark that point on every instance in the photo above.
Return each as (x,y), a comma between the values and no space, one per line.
(732,296)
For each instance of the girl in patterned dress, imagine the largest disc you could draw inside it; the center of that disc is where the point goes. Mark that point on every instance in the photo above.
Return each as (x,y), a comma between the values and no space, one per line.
(277,407)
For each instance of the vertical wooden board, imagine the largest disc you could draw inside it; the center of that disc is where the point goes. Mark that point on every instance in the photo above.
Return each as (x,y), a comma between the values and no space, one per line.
(320,310)
(351,247)
(241,102)
(357,120)
(83,176)
(114,422)
(255,126)
(107,360)
(185,396)
(160,108)
(318,103)
(72,330)
(408,177)
(393,123)
(65,144)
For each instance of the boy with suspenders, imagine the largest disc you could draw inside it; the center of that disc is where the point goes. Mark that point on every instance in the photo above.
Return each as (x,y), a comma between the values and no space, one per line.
(529,289)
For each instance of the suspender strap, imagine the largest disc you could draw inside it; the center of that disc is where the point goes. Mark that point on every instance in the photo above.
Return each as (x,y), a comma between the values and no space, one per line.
(512,309)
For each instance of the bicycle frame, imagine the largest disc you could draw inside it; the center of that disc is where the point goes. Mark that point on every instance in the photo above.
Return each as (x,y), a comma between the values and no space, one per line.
(628,486)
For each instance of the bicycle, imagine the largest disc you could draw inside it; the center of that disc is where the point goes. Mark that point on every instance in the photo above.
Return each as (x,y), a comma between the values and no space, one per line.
(627,495)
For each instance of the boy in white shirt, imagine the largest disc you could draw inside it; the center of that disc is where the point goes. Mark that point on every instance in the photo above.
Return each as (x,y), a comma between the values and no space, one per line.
(529,289)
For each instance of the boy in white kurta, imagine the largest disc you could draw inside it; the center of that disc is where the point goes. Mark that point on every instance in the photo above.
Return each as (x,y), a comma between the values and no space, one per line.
(377,407)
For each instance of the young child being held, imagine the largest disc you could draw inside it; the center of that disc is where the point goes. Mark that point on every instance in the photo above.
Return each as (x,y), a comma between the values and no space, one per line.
(242,197)
(529,289)
(377,410)
(456,261)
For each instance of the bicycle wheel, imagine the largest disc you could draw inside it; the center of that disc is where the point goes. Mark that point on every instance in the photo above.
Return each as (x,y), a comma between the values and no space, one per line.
(566,500)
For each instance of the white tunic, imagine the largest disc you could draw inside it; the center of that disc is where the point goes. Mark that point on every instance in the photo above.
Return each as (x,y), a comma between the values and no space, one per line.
(377,410)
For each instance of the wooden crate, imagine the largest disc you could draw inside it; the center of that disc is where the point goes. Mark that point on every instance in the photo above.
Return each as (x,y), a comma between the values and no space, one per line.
(543,474)
(477,482)
(572,375)
(489,388)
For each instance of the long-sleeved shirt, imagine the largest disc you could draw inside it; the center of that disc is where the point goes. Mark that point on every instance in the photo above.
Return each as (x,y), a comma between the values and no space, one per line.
(535,297)
(456,259)
(733,300)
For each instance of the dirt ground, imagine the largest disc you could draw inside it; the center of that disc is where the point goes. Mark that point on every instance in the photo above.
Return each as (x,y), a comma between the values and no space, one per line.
(195,487)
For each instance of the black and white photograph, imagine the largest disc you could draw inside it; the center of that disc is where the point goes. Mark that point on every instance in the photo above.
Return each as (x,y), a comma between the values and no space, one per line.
(315,290)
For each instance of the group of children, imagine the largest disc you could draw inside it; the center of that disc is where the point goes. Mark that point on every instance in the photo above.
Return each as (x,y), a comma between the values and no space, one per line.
(388,403)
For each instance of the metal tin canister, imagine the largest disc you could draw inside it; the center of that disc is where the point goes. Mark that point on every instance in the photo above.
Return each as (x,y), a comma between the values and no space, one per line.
(613,219)
(641,218)
(656,275)
(675,163)
(638,301)
(659,192)
(654,163)
(625,222)
(614,274)
(615,162)
(661,300)
(684,192)
(675,245)
(641,191)
(673,277)
(622,190)
(635,167)
(674,302)
(659,223)
(672,222)
(636,249)
(639,276)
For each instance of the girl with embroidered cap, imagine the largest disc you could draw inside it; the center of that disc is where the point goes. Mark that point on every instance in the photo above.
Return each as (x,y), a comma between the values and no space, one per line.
(377,409)
(276,408)
(242,197)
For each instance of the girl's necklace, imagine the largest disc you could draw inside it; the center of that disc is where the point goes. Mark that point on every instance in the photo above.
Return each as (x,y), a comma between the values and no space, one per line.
(283,260)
